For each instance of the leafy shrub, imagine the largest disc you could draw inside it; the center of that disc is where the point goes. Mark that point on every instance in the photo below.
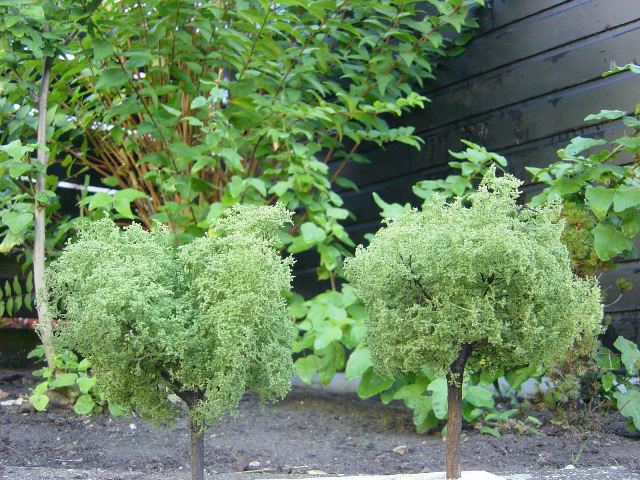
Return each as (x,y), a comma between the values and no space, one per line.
(186,108)
(620,386)
(599,188)
(330,325)
(72,378)
(452,284)
(205,321)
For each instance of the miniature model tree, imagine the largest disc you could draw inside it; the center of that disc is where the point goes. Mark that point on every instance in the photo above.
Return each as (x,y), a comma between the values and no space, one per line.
(481,281)
(206,321)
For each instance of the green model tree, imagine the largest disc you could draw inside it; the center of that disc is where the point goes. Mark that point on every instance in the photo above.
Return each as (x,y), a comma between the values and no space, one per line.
(480,281)
(206,321)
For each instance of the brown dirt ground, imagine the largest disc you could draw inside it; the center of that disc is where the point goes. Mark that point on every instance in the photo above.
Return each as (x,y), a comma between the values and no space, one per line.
(309,430)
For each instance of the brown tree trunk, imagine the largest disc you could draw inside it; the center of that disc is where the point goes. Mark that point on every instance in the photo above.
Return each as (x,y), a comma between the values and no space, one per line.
(454,422)
(44,323)
(196,434)
(197,451)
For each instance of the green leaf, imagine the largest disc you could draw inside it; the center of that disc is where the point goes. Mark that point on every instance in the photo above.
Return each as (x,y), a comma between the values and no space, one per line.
(358,363)
(16,150)
(112,77)
(600,199)
(372,384)
(116,410)
(33,11)
(605,115)
(101,49)
(100,200)
(626,196)
(312,233)
(580,144)
(389,210)
(172,111)
(609,241)
(628,404)
(198,102)
(494,432)
(629,354)
(122,201)
(608,360)
(86,383)
(306,368)
(64,380)
(337,213)
(84,405)
(478,396)
(17,222)
(327,335)
(438,389)
(39,401)
(16,170)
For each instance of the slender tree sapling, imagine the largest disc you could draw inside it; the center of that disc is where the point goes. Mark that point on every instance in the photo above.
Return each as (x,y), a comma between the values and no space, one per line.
(479,281)
(205,321)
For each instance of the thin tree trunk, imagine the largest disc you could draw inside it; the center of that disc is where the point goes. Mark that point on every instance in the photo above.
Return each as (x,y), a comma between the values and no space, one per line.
(454,422)
(44,323)
(197,451)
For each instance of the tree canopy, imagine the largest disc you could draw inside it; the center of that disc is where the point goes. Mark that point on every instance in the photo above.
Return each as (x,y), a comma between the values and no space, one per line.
(480,271)
(207,320)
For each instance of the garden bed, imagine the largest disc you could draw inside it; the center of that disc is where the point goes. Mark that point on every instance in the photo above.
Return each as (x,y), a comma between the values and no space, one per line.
(310,430)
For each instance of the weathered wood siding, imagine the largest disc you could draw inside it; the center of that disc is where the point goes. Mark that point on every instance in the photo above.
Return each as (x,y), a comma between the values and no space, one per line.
(522,88)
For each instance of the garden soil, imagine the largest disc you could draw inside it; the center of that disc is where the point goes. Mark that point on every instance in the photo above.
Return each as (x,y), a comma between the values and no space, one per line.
(308,432)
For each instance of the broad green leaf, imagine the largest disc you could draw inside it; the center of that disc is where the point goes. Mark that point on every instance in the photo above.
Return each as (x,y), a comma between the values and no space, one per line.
(116,410)
(438,389)
(306,368)
(608,360)
(39,401)
(198,102)
(478,396)
(64,380)
(101,49)
(112,77)
(17,222)
(33,11)
(629,354)
(312,233)
(626,196)
(372,384)
(100,200)
(122,201)
(86,383)
(628,404)
(84,405)
(605,115)
(358,363)
(609,241)
(600,199)
(580,144)
(328,334)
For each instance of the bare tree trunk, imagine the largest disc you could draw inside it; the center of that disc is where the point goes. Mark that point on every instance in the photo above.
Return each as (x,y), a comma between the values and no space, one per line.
(454,422)
(44,323)
(197,451)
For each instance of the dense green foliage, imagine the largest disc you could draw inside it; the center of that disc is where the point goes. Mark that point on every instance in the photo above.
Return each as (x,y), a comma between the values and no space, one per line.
(599,187)
(188,107)
(32,33)
(491,275)
(207,320)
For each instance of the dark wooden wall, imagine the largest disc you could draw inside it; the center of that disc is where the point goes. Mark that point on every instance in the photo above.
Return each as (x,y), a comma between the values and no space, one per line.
(522,88)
